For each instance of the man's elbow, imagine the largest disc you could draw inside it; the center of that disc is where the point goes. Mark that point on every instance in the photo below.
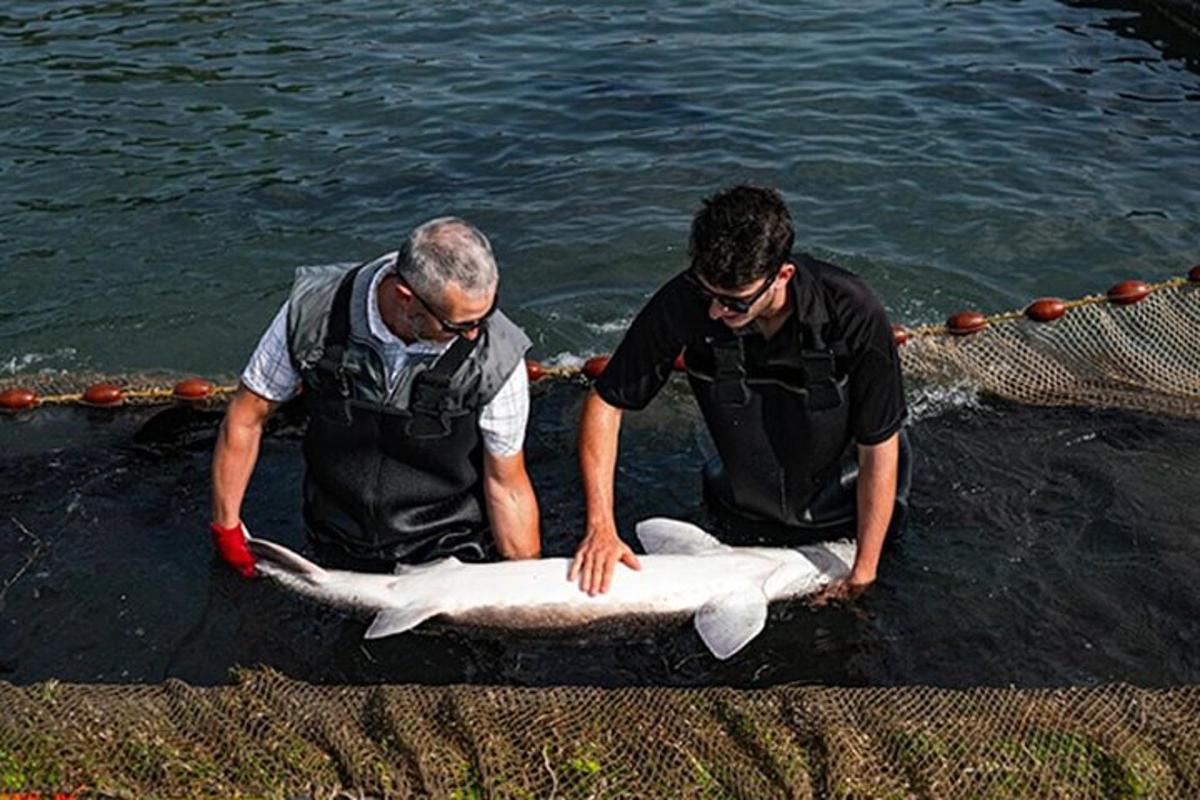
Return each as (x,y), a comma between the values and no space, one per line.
(519,551)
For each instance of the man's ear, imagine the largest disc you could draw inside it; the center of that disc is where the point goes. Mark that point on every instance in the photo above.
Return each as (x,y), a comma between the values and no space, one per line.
(402,289)
(787,271)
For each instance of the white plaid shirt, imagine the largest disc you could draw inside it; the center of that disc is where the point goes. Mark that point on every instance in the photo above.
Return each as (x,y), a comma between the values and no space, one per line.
(270,373)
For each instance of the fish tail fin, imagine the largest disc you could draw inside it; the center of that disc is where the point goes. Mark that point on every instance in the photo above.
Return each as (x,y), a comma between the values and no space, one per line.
(284,558)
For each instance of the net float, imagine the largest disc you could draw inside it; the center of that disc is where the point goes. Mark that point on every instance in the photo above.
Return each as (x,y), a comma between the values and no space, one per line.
(594,366)
(194,389)
(534,370)
(1127,293)
(1046,309)
(900,334)
(17,399)
(965,322)
(1194,274)
(103,394)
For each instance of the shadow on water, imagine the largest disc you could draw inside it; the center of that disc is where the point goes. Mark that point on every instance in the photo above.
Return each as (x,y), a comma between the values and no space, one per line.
(1175,35)
(1047,546)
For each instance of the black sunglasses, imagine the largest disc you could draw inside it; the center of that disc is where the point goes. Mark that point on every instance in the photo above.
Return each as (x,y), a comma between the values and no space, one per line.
(738,305)
(458,328)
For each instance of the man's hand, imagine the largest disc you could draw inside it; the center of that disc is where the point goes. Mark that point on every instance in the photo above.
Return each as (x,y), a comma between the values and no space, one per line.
(231,547)
(597,559)
(843,590)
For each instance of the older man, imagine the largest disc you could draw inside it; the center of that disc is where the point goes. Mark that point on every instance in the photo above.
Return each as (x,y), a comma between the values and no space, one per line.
(418,398)
(794,368)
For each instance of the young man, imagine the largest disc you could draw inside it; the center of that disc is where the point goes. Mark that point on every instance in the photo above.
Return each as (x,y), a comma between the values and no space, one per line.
(418,399)
(793,364)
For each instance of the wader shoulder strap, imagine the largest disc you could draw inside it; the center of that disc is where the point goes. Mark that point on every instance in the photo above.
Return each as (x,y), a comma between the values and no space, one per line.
(337,333)
(427,406)
(729,373)
(823,389)
(333,383)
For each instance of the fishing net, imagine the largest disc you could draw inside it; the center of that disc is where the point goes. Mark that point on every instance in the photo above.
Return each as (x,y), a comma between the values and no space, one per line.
(1143,356)
(268,736)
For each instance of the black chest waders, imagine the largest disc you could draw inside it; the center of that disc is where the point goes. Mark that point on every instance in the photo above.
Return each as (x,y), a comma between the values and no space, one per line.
(384,483)
(781,427)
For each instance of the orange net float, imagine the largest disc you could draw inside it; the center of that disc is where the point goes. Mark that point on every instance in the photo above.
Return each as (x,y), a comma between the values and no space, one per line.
(900,334)
(1046,309)
(193,389)
(103,395)
(966,322)
(1126,293)
(1194,274)
(17,399)
(594,366)
(534,370)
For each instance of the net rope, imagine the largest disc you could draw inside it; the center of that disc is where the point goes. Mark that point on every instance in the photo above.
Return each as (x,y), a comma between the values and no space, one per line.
(1141,356)
(1144,356)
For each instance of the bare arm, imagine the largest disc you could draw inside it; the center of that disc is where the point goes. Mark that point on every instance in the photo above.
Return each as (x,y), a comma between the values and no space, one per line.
(602,548)
(236,453)
(511,506)
(878,469)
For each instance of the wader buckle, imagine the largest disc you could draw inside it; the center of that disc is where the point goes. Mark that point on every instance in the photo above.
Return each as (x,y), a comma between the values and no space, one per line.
(729,376)
(334,388)
(428,416)
(823,390)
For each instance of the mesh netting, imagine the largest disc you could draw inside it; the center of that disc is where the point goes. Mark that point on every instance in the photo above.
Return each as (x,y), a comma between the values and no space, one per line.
(271,736)
(1144,356)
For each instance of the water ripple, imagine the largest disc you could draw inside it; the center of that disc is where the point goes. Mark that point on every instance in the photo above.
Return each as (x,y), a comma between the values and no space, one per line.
(950,152)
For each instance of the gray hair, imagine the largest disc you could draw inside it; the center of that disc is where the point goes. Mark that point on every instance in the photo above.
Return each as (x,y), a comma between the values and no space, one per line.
(447,250)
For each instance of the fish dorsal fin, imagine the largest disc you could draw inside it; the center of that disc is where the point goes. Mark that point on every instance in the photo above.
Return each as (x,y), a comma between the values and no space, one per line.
(398,620)
(449,562)
(729,621)
(664,536)
(268,551)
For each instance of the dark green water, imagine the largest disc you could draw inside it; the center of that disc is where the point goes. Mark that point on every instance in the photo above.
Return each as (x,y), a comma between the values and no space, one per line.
(166,165)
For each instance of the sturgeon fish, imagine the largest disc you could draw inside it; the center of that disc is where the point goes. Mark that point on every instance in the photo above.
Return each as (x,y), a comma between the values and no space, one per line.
(686,572)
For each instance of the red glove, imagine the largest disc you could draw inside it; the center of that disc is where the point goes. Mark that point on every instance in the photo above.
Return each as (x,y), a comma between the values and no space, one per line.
(231,547)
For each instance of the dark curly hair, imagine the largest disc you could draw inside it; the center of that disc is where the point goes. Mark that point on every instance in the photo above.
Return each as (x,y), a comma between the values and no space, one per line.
(740,235)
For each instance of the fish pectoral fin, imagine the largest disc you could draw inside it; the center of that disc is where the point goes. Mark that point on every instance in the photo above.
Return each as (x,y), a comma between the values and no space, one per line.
(665,536)
(727,623)
(399,620)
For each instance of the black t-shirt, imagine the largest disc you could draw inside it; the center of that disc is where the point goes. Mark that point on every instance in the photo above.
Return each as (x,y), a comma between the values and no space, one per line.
(677,316)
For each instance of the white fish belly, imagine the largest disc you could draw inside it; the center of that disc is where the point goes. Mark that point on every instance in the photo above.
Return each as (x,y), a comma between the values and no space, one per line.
(536,594)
